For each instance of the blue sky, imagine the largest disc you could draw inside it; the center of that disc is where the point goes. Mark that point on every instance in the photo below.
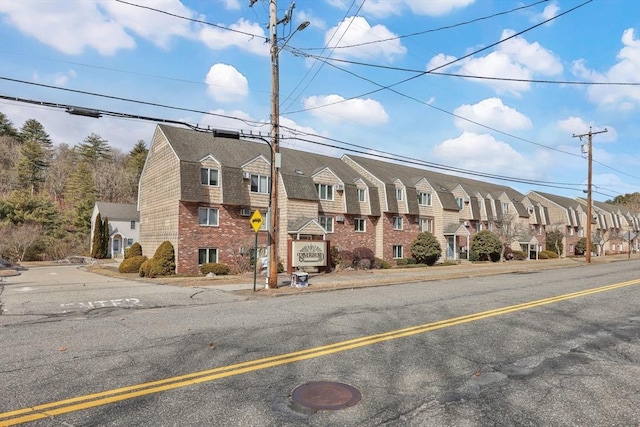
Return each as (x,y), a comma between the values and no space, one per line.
(124,51)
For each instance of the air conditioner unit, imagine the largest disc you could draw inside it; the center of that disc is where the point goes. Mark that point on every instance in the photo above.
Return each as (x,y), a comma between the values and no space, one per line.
(340,218)
(339,187)
(246,175)
(467,199)
(466,223)
(245,212)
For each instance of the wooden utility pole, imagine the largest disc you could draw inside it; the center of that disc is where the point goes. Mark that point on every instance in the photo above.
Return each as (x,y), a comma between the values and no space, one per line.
(589,175)
(272,281)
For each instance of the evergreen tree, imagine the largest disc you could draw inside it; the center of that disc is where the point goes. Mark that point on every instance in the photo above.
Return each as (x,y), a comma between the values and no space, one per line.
(31,166)
(137,157)
(23,207)
(93,149)
(82,216)
(104,244)
(32,130)
(97,237)
(6,127)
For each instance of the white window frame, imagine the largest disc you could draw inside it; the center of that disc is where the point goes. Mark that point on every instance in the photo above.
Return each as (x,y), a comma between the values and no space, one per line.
(208,217)
(133,225)
(480,226)
(362,194)
(207,253)
(424,199)
(570,231)
(397,223)
(399,194)
(459,202)
(207,179)
(262,184)
(325,191)
(398,252)
(326,221)
(426,224)
(363,225)
(505,208)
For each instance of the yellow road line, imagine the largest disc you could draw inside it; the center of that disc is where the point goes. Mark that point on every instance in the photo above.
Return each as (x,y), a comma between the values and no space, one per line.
(110,396)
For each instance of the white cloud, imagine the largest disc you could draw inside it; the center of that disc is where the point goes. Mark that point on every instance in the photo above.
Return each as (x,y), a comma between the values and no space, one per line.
(382,8)
(577,126)
(314,20)
(217,38)
(436,7)
(515,58)
(225,83)
(481,152)
(625,70)
(612,184)
(355,30)
(439,60)
(232,4)
(550,11)
(491,112)
(68,26)
(361,111)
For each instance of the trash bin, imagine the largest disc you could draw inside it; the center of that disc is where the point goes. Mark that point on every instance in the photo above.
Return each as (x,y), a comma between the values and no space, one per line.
(300,279)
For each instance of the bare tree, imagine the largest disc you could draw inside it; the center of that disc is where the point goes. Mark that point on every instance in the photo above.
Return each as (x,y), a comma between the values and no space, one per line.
(17,239)
(510,230)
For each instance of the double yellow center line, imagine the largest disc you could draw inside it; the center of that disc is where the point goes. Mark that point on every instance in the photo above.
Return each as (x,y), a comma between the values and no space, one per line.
(110,396)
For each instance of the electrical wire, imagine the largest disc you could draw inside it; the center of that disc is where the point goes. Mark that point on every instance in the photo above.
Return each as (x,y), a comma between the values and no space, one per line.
(433,30)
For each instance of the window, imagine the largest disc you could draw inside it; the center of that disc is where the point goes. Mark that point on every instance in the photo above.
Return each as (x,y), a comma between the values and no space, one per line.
(325,191)
(426,224)
(133,225)
(570,231)
(581,232)
(490,226)
(459,202)
(397,223)
(360,224)
(399,194)
(327,223)
(424,199)
(479,226)
(505,208)
(260,184)
(397,251)
(129,242)
(206,255)
(362,195)
(208,216)
(209,176)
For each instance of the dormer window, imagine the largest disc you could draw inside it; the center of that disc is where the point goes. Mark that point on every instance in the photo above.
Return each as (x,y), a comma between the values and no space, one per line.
(459,202)
(399,194)
(325,191)
(424,199)
(209,177)
(362,195)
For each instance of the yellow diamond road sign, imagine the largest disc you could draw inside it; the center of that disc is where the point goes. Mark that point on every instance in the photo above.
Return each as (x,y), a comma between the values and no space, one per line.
(256,221)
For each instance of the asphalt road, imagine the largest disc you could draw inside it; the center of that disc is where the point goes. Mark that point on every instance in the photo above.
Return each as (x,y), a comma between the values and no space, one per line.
(559,347)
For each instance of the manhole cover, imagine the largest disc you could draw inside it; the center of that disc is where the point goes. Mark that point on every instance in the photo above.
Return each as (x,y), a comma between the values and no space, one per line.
(326,395)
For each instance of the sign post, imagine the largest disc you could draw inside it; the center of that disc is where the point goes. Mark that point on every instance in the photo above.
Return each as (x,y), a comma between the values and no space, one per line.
(256,223)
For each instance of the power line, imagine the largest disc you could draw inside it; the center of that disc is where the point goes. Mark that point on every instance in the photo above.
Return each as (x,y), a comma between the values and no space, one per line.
(433,30)
(153,104)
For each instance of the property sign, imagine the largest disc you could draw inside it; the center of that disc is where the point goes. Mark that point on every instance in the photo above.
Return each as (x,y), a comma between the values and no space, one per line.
(309,253)
(256,221)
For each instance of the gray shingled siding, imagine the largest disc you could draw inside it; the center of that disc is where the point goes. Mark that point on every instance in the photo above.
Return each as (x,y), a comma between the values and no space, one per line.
(448,201)
(412,201)
(374,200)
(190,188)
(299,187)
(521,209)
(537,215)
(351,197)
(475,208)
(392,202)
(118,211)
(498,208)
(546,216)
(489,205)
(233,187)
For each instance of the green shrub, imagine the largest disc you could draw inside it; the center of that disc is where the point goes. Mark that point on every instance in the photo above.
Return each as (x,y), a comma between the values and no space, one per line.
(145,268)
(426,249)
(381,264)
(216,268)
(487,245)
(132,264)
(547,255)
(581,246)
(411,261)
(134,250)
(164,260)
(519,255)
(401,262)
(474,256)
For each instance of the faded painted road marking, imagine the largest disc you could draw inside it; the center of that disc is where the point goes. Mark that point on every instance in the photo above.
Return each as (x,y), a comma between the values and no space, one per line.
(90,305)
(111,396)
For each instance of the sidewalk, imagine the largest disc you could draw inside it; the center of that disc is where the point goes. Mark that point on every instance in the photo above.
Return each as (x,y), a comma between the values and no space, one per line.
(366,278)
